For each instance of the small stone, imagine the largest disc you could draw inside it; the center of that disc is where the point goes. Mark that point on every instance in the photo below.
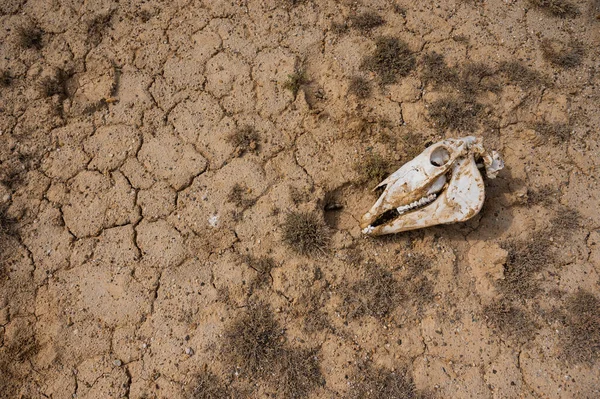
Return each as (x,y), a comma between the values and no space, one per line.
(189,351)
(117,363)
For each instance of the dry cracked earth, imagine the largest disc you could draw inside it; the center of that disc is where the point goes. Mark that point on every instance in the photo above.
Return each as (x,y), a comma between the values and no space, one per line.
(181,184)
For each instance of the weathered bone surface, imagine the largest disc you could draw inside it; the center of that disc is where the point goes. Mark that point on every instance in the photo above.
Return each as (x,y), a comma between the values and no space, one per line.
(441,185)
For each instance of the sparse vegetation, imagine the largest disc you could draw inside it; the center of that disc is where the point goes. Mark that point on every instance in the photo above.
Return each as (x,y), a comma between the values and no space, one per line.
(391,60)
(360,87)
(30,37)
(517,72)
(476,78)
(296,81)
(581,343)
(255,344)
(455,113)
(545,195)
(509,320)
(305,233)
(525,260)
(366,21)
(435,70)
(244,139)
(557,8)
(254,341)
(262,266)
(563,55)
(566,220)
(239,196)
(5,79)
(376,294)
(208,386)
(97,27)
(55,85)
(309,306)
(298,373)
(339,27)
(372,168)
(556,132)
(380,383)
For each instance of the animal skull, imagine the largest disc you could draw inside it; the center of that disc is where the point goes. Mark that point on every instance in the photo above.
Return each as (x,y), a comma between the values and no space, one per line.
(441,185)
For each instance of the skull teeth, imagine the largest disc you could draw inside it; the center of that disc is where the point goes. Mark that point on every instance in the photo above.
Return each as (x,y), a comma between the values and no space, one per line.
(423,201)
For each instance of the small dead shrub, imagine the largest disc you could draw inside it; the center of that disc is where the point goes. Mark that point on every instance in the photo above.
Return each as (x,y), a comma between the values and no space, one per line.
(239,196)
(391,60)
(262,266)
(30,37)
(360,87)
(208,386)
(56,85)
(518,73)
(509,320)
(366,21)
(455,113)
(563,55)
(581,343)
(305,233)
(372,168)
(477,77)
(380,383)
(298,373)
(296,81)
(545,195)
(525,260)
(5,79)
(556,132)
(377,294)
(244,139)
(435,70)
(566,220)
(254,341)
(557,8)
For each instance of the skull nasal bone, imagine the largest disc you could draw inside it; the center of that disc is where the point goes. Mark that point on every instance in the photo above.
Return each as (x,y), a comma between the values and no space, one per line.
(439,156)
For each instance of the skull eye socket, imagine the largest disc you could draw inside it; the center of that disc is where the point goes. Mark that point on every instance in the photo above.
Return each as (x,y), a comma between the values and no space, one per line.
(440,156)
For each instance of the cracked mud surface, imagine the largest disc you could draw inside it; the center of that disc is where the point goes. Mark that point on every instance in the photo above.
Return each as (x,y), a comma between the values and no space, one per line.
(136,234)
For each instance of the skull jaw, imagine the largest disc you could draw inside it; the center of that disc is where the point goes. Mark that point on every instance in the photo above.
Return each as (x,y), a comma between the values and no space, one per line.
(460,201)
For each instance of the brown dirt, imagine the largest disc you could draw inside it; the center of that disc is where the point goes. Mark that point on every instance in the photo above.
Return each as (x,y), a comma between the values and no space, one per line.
(151,154)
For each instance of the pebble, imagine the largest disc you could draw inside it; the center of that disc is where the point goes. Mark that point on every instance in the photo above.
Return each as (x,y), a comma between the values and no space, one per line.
(189,351)
(117,363)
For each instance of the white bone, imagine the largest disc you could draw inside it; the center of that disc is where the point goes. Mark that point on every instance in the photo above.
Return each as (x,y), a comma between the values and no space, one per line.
(441,185)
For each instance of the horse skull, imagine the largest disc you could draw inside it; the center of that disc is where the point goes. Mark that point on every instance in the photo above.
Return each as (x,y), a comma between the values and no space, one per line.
(441,185)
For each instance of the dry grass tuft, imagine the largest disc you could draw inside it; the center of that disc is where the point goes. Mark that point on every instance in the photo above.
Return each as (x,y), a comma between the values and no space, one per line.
(525,260)
(56,85)
(517,72)
(208,386)
(376,294)
(244,139)
(239,196)
(545,195)
(391,60)
(455,113)
(566,220)
(557,8)
(30,37)
(296,81)
(380,383)
(262,266)
(435,70)
(563,55)
(509,320)
(360,87)
(581,343)
(372,168)
(476,78)
(366,21)
(298,373)
(556,132)
(6,79)
(305,233)
(254,341)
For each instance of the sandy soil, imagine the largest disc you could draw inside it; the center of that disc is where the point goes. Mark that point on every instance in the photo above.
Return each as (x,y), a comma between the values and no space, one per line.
(154,154)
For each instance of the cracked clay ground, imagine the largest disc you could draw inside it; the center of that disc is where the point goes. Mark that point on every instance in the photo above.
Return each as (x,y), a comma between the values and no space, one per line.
(154,157)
